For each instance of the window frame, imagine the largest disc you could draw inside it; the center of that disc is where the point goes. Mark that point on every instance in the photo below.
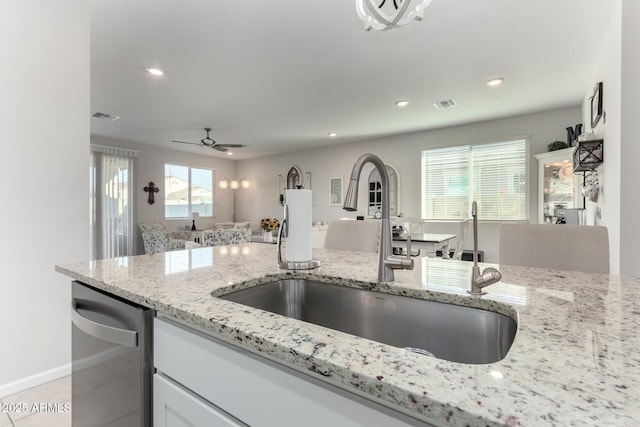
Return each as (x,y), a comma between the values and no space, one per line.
(471,163)
(190,184)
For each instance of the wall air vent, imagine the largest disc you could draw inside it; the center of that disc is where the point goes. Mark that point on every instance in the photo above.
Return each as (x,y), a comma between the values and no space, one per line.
(105,116)
(441,105)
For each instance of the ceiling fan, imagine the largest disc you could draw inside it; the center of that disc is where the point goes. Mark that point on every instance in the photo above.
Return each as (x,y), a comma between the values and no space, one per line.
(210,143)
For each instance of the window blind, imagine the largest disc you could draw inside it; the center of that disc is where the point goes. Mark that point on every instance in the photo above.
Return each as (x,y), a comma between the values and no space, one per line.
(494,175)
(500,180)
(445,180)
(110,213)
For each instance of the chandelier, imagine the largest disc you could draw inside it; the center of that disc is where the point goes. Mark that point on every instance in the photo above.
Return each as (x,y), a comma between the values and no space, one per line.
(389,13)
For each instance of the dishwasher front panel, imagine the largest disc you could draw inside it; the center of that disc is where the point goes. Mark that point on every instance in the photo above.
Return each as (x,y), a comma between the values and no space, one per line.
(111,360)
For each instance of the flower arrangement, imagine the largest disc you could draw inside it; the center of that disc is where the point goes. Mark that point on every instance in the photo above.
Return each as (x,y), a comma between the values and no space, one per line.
(269,224)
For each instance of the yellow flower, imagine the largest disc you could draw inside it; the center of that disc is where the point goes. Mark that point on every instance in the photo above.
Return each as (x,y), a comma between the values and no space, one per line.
(269,224)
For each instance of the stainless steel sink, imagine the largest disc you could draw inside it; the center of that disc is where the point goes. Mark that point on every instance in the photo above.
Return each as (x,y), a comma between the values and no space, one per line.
(446,331)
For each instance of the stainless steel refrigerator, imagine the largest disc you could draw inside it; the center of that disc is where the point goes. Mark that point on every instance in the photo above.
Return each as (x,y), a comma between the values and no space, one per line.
(112,362)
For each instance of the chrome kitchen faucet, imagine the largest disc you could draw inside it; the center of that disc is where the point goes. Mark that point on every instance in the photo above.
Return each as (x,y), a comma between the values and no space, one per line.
(386,261)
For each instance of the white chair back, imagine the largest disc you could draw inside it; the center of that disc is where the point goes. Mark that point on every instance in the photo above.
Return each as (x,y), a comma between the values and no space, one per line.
(462,235)
(350,235)
(562,247)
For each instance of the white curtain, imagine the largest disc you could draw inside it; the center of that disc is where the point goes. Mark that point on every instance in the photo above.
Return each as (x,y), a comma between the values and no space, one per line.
(111,203)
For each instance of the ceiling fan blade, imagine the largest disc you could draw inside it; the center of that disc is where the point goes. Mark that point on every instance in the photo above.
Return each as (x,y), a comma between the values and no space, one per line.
(219,148)
(184,142)
(230,145)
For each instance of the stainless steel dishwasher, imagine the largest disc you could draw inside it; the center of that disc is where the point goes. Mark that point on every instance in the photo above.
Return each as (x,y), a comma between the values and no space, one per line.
(111,360)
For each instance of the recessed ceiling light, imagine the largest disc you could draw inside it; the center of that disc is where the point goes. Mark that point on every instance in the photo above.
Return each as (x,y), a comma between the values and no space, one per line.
(495,82)
(229,153)
(155,71)
(402,103)
(332,134)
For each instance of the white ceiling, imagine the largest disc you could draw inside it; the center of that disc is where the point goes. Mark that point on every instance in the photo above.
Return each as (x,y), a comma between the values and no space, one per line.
(279,75)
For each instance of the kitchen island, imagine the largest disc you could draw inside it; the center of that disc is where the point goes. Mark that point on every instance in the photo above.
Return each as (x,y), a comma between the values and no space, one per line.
(575,359)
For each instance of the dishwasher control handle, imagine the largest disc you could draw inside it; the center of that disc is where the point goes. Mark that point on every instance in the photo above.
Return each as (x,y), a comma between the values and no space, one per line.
(107,333)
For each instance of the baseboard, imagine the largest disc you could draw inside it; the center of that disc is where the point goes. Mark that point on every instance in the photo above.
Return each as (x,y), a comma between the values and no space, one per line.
(34,380)
(59,372)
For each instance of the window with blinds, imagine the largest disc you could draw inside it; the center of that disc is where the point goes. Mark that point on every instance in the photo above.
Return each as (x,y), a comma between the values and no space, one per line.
(494,175)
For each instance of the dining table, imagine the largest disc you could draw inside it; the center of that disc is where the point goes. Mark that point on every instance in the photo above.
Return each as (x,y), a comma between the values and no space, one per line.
(430,243)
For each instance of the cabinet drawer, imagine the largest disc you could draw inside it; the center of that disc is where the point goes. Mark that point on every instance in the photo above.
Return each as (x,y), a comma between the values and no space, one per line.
(260,393)
(173,406)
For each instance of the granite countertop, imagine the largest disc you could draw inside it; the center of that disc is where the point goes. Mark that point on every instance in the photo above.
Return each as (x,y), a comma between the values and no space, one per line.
(575,360)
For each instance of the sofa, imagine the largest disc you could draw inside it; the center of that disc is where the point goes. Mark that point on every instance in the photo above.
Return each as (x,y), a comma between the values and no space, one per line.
(226,236)
(254,226)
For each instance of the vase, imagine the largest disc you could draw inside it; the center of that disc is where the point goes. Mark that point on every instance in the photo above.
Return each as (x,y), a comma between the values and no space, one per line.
(267,236)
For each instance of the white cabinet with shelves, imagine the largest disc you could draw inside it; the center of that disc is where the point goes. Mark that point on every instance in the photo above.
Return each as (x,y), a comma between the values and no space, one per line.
(558,187)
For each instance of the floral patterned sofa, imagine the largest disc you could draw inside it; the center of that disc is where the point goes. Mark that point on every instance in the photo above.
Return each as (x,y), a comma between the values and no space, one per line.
(226,236)
(157,238)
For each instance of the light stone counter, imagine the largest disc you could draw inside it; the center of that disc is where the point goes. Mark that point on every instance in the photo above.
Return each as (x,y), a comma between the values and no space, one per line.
(575,360)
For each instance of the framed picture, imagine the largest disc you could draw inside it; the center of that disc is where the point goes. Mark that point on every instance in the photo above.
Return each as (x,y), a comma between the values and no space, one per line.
(335,191)
(596,104)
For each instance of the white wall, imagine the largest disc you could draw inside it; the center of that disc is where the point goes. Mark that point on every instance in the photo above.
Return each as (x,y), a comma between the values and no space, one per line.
(618,66)
(630,147)
(44,57)
(607,70)
(404,153)
(149,166)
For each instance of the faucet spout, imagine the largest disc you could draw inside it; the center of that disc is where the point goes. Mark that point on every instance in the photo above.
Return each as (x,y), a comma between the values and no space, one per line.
(386,261)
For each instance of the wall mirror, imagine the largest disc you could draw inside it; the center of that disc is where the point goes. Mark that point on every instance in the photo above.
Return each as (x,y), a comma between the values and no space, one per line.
(374,202)
(295,179)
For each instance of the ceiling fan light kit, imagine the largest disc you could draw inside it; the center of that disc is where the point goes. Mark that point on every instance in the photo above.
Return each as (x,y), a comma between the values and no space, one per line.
(206,141)
(390,14)
(211,143)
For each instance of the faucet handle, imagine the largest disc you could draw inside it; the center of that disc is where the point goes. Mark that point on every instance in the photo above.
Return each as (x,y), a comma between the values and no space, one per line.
(405,262)
(479,280)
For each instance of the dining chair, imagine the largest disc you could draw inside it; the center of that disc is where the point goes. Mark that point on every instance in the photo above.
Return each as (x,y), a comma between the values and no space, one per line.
(562,247)
(462,235)
(353,235)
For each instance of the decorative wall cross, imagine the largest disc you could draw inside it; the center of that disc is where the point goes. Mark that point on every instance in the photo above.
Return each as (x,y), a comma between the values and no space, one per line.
(151,189)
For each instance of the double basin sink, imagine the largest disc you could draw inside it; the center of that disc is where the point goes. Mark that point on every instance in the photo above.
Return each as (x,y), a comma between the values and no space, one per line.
(445,331)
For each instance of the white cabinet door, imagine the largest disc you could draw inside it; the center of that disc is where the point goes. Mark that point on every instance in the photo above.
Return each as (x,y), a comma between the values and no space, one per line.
(175,407)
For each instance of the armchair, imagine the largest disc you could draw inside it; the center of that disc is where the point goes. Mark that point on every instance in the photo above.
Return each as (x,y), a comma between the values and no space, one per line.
(156,238)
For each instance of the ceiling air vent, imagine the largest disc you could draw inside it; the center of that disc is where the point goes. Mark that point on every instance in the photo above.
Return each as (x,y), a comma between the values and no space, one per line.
(441,105)
(105,116)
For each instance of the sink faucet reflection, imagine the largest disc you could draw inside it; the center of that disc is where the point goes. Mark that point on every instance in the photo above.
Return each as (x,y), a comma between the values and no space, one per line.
(489,275)
(387,262)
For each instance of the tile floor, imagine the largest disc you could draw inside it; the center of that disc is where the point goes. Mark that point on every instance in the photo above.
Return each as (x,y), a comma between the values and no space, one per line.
(48,405)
